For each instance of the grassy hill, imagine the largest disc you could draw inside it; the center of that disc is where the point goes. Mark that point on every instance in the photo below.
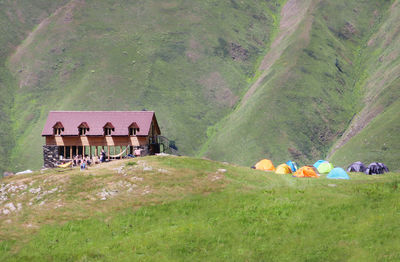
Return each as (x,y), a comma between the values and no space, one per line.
(374,133)
(17,19)
(180,208)
(325,74)
(229,80)
(188,61)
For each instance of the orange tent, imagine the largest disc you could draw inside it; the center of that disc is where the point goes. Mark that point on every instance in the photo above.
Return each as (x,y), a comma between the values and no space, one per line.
(306,171)
(265,165)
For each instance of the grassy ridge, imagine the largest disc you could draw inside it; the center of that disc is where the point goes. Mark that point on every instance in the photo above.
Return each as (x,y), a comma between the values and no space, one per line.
(307,98)
(245,215)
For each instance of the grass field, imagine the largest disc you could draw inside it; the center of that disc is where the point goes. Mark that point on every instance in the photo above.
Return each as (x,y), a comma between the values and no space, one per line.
(190,209)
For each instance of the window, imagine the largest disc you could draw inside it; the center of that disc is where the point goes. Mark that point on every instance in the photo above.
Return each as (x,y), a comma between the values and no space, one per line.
(58,128)
(83,128)
(108,128)
(133,129)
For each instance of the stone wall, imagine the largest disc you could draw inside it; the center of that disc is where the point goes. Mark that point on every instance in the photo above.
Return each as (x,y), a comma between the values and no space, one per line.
(50,156)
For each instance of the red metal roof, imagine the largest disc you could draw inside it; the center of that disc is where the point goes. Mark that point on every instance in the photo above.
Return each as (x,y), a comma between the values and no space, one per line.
(121,120)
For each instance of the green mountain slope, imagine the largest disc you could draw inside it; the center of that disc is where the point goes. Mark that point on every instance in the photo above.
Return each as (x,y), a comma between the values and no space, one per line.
(17,19)
(229,80)
(374,134)
(303,102)
(188,61)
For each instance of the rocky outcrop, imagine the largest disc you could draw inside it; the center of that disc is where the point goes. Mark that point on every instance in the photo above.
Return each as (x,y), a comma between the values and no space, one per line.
(50,156)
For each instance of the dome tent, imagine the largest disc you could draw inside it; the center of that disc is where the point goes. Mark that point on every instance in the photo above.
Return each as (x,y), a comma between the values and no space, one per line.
(265,165)
(306,171)
(325,167)
(319,162)
(357,167)
(283,169)
(376,168)
(293,165)
(338,173)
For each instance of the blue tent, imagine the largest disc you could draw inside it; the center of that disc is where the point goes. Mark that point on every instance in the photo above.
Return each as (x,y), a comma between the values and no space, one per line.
(293,165)
(338,173)
(316,164)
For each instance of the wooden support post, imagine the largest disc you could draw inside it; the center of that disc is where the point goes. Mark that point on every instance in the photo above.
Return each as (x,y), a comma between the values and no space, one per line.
(90,151)
(108,152)
(65,152)
(96,151)
(70,152)
(120,150)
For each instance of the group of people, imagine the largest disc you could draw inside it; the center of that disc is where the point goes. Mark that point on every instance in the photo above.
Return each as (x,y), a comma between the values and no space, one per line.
(85,161)
(82,161)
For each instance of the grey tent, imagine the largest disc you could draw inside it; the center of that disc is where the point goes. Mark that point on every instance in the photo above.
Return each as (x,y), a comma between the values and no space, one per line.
(376,168)
(357,167)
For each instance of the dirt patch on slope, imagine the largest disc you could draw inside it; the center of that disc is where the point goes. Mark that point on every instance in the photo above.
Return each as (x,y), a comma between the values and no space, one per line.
(292,14)
(194,52)
(68,9)
(216,89)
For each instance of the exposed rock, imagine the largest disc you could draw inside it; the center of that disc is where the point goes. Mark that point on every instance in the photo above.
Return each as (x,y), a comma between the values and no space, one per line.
(10,206)
(147,168)
(35,190)
(24,172)
(104,194)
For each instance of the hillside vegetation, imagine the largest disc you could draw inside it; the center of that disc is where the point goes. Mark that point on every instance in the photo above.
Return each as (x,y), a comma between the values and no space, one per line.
(180,208)
(341,63)
(374,134)
(230,80)
(17,19)
(188,61)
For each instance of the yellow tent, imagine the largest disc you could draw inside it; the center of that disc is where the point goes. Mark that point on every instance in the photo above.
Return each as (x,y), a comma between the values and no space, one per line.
(265,165)
(306,171)
(283,169)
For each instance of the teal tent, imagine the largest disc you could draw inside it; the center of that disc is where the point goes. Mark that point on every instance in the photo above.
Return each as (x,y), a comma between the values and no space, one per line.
(338,173)
(319,162)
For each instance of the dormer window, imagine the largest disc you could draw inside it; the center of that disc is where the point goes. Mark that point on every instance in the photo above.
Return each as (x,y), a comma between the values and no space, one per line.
(83,128)
(108,128)
(58,128)
(133,129)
